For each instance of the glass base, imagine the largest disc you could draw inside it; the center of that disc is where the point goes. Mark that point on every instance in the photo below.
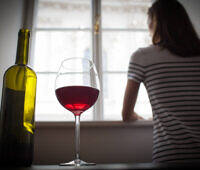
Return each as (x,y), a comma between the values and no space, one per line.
(77,162)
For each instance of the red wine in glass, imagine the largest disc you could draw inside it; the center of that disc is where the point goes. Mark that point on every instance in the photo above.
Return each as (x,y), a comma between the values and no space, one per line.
(77,99)
(77,89)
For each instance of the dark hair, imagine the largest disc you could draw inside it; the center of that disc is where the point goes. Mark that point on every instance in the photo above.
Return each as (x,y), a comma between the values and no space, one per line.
(174,29)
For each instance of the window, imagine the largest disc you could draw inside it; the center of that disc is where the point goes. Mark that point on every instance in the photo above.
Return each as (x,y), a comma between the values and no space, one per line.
(64,29)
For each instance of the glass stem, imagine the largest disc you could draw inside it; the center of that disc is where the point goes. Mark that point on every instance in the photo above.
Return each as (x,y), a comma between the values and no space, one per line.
(77,137)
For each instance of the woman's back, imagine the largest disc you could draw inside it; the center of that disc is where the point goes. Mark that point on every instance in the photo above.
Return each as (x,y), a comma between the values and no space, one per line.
(173,86)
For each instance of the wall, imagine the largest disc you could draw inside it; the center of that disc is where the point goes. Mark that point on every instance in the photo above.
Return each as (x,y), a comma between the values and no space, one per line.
(11,19)
(193,9)
(101,142)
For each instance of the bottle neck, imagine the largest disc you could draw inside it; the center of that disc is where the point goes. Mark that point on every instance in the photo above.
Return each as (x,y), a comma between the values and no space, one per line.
(22,47)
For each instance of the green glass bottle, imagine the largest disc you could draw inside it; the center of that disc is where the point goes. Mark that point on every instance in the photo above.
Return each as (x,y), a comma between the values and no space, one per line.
(17,108)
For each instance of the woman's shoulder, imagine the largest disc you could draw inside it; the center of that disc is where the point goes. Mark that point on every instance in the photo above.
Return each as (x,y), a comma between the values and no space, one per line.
(155,54)
(145,55)
(149,50)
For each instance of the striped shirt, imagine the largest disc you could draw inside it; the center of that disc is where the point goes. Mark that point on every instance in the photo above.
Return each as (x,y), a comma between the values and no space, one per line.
(173,87)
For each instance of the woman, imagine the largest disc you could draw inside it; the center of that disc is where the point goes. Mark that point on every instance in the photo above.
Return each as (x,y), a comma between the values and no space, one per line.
(170,71)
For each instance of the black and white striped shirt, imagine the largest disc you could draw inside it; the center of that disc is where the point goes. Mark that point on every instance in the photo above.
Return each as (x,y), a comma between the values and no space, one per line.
(173,86)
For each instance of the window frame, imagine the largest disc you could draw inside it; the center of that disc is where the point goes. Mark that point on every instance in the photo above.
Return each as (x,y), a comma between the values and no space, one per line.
(96,30)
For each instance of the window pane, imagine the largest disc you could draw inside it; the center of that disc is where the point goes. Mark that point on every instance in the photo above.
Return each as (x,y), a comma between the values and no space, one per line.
(143,106)
(52,47)
(118,47)
(64,13)
(48,108)
(125,13)
(114,88)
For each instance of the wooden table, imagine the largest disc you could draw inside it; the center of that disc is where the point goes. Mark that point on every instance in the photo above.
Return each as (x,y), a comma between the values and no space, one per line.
(133,166)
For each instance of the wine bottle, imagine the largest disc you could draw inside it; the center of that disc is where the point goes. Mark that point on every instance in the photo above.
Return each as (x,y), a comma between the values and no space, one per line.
(17,121)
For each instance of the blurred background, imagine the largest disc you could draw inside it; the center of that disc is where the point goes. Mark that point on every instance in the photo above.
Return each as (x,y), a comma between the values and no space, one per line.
(63,29)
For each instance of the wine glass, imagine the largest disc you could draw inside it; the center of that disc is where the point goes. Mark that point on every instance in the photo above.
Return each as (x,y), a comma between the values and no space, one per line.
(77,89)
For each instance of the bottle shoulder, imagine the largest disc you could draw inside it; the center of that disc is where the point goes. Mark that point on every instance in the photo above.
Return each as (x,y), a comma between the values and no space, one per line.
(18,68)
(18,76)
(31,70)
